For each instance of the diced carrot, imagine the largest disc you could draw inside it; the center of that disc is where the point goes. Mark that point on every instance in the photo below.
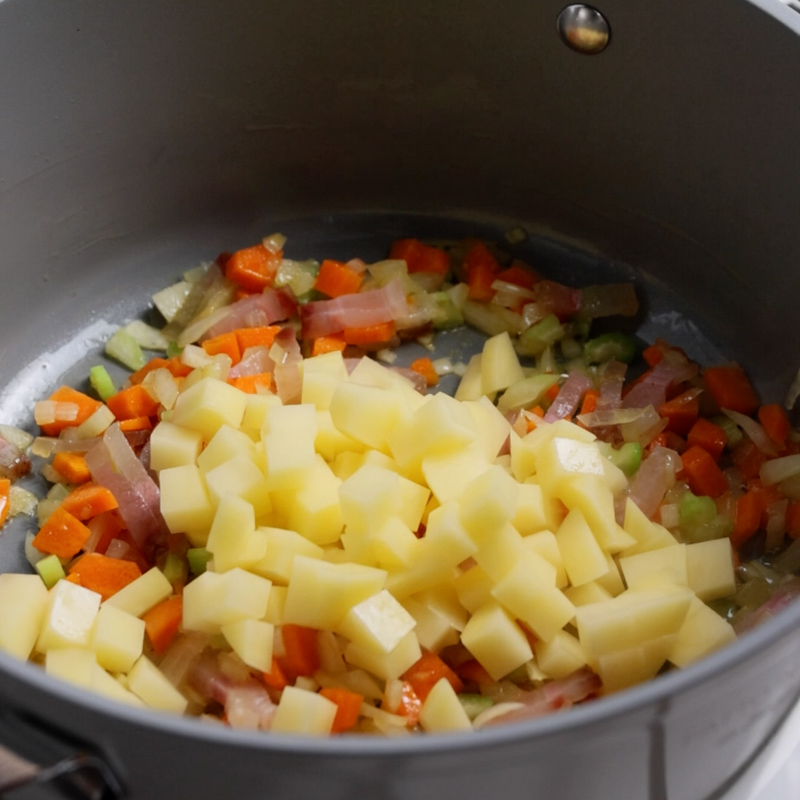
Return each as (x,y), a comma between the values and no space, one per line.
(135,401)
(425,673)
(253,268)
(408,707)
(473,672)
(327,344)
(776,423)
(748,459)
(518,275)
(793,519)
(589,401)
(251,383)
(369,334)
(748,518)
(105,575)
(702,473)
(552,393)
(178,368)
(62,533)
(668,439)
(161,623)
(262,336)
(681,412)
(420,257)
(5,499)
(76,579)
(136,424)
(301,652)
(88,501)
(86,407)
(275,678)
(335,279)
(767,495)
(226,343)
(424,366)
(537,411)
(479,254)
(653,355)
(731,388)
(72,467)
(348,707)
(709,436)
(479,280)
(151,366)
(105,527)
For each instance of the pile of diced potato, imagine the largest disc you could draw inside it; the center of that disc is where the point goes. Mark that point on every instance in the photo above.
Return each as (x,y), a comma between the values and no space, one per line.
(312,512)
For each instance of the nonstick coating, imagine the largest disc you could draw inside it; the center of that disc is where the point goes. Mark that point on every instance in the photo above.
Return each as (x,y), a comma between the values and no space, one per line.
(140,138)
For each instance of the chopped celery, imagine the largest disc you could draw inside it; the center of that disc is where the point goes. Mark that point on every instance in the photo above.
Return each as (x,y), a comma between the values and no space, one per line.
(627,458)
(173,349)
(725,607)
(448,314)
(125,349)
(310,296)
(609,347)
(101,382)
(175,568)
(525,393)
(733,433)
(570,348)
(539,337)
(50,570)
(699,521)
(474,704)
(198,558)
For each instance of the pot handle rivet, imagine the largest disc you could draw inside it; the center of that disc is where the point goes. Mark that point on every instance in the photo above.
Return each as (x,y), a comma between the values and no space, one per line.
(584,29)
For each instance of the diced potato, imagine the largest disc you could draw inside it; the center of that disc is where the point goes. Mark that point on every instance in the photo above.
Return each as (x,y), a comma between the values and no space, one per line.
(69,617)
(321,593)
(117,639)
(256,410)
(212,600)
(141,595)
(435,563)
(449,534)
(239,477)
(623,668)
(173,446)
(227,443)
(289,433)
(488,502)
(386,666)
(379,622)
(474,588)
(23,604)
(316,511)
(233,539)
(612,581)
(532,513)
(648,535)
(251,640)
(562,459)
(502,552)
(277,600)
(330,442)
(367,413)
(151,686)
(591,592)
(470,386)
(544,543)
(369,372)
(584,561)
(433,630)
(394,546)
(499,364)
(185,504)
(303,712)
(709,568)
(560,656)
(703,631)
(493,428)
(496,641)
(667,565)
(321,375)
(442,711)
(80,667)
(448,474)
(444,600)
(209,404)
(281,548)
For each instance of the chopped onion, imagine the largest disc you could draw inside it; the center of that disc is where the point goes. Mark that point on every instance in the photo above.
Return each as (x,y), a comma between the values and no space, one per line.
(96,424)
(492,319)
(21,439)
(645,428)
(254,311)
(569,397)
(14,463)
(611,382)
(443,366)
(611,416)
(199,327)
(255,360)
(162,386)
(147,336)
(387,355)
(653,478)
(286,355)
(653,388)
(182,653)
(779,469)
(670,515)
(46,412)
(493,712)
(21,501)
(754,430)
(776,525)
(275,242)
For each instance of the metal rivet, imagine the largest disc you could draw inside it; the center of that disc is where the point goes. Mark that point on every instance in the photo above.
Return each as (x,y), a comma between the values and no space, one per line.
(584,29)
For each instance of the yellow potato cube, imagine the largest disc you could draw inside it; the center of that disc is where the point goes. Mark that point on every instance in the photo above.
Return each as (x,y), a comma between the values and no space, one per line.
(523,456)
(528,591)
(709,568)
(560,460)
(648,535)
(394,546)
(151,686)
(233,539)
(433,630)
(185,504)
(256,410)
(212,600)
(303,712)
(591,592)
(316,512)
(449,473)
(532,513)
(117,639)
(612,581)
(623,668)
(321,593)
(69,617)
(379,622)
(321,375)
(560,656)
(386,666)
(449,535)
(544,543)
(470,387)
(209,404)
(495,640)
(289,433)
(251,640)
(142,594)
(584,561)
(703,631)
(277,600)
(367,413)
(227,443)
(24,601)
(667,565)
(368,372)
(173,446)
(474,588)
(443,599)
(488,502)
(330,442)
(502,552)
(75,665)
(281,548)
(239,477)
(493,428)
(442,711)
(500,366)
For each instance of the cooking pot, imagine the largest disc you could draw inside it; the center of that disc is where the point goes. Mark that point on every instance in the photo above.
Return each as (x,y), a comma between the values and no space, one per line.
(141,137)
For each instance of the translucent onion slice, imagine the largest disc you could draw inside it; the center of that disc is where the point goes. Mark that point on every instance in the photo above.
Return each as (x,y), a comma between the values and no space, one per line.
(754,430)
(779,469)
(611,416)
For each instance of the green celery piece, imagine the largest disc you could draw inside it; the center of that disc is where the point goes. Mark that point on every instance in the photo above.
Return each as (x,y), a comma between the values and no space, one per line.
(124,348)
(198,558)
(173,349)
(50,570)
(101,382)
(696,510)
(474,704)
(448,314)
(628,458)
(175,568)
(310,296)
(536,339)
(610,347)
(733,433)
(717,528)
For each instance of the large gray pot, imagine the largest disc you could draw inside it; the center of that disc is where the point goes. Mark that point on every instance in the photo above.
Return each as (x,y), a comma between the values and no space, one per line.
(140,137)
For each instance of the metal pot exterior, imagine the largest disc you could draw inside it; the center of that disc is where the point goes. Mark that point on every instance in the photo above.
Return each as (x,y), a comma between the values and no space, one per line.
(137,136)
